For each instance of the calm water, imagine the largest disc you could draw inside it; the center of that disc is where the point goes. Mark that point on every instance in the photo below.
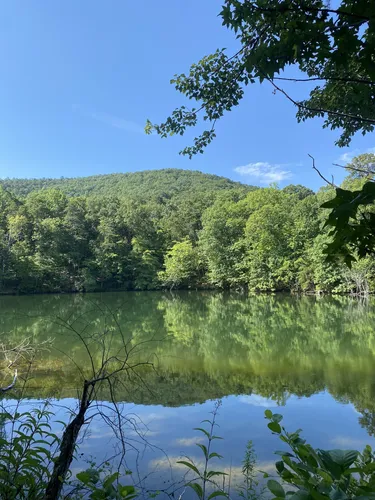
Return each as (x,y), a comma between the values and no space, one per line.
(314,358)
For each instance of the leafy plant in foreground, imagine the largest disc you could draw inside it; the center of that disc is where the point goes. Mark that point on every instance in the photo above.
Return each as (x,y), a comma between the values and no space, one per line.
(100,483)
(249,490)
(26,453)
(315,474)
(205,478)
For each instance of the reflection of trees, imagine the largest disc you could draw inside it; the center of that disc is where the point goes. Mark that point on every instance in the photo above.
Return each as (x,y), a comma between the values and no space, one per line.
(210,345)
(367,420)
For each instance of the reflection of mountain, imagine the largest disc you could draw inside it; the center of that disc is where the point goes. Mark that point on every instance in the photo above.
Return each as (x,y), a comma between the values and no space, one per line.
(208,345)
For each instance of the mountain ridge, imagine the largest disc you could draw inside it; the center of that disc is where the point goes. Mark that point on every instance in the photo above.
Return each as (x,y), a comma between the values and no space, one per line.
(158,182)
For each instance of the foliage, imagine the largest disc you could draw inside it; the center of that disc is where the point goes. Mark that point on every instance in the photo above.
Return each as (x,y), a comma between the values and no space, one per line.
(211,233)
(300,191)
(204,484)
(181,265)
(162,185)
(352,227)
(26,453)
(304,473)
(332,46)
(100,483)
(351,220)
(250,490)
(319,474)
(361,166)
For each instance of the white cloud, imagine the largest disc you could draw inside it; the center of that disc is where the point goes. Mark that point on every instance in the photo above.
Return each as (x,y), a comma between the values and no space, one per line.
(171,462)
(348,157)
(190,441)
(116,122)
(348,442)
(235,471)
(265,172)
(256,400)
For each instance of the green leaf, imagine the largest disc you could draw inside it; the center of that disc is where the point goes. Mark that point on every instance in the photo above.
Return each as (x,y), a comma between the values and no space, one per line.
(189,465)
(268,414)
(324,475)
(203,448)
(276,488)
(214,454)
(198,489)
(217,494)
(276,417)
(84,477)
(275,427)
(284,453)
(212,473)
(344,458)
(202,430)
(280,466)
(317,496)
(300,495)
(127,491)
(336,494)
(111,479)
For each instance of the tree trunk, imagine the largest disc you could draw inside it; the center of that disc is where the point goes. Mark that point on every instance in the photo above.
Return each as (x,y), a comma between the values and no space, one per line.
(67,447)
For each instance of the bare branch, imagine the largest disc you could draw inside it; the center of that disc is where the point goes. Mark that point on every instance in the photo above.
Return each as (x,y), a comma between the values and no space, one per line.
(320,174)
(316,110)
(355,169)
(9,387)
(329,78)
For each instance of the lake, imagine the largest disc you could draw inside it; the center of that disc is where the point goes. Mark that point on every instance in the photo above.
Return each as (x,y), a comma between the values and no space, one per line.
(312,359)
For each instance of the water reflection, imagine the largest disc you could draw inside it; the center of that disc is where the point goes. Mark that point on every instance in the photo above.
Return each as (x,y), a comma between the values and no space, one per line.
(208,345)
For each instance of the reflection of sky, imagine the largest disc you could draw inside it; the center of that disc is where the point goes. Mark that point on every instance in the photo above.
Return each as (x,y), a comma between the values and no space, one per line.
(325,423)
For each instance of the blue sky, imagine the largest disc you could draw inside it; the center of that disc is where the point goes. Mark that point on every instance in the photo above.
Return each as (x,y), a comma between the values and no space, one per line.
(79,80)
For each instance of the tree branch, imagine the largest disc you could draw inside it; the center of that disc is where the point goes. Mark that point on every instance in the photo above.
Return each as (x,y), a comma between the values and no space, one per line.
(347,167)
(320,174)
(9,387)
(316,110)
(333,78)
(308,8)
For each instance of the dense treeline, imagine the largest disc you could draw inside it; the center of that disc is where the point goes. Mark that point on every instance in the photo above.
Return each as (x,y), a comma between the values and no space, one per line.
(159,184)
(168,228)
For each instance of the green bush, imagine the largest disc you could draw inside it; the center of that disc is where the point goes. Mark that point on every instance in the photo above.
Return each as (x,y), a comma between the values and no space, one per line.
(306,473)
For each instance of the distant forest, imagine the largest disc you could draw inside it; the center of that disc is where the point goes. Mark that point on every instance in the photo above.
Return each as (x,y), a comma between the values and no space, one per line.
(168,228)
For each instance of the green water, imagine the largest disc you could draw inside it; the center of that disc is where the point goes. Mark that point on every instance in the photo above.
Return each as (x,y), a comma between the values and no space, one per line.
(206,345)
(314,357)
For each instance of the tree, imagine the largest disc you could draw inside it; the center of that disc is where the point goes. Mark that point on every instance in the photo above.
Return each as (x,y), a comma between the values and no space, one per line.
(300,191)
(223,227)
(333,47)
(181,265)
(352,220)
(269,255)
(362,166)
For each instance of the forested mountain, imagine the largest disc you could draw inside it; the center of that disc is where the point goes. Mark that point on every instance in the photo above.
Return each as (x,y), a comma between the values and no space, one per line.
(168,228)
(165,183)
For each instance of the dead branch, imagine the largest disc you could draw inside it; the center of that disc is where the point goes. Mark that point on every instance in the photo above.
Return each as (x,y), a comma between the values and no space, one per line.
(320,174)
(355,169)
(105,367)
(10,386)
